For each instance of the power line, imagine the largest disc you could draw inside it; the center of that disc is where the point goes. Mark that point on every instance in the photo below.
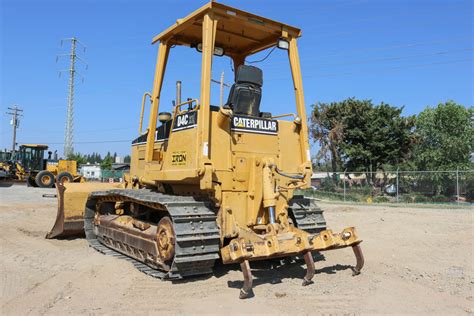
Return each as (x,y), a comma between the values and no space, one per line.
(396,58)
(369,27)
(395,68)
(380,70)
(68,137)
(96,142)
(391,47)
(52,131)
(15,122)
(278,63)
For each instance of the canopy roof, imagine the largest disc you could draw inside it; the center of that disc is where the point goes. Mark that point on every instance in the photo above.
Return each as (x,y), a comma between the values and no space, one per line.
(240,33)
(39,146)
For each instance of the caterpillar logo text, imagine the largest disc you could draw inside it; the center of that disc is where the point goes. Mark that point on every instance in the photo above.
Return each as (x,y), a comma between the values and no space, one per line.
(254,125)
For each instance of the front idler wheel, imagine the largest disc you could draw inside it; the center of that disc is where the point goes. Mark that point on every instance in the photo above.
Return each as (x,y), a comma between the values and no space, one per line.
(166,240)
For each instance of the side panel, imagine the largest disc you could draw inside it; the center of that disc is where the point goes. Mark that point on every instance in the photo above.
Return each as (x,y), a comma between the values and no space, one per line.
(181,152)
(68,166)
(242,183)
(58,166)
(137,161)
(289,147)
(220,145)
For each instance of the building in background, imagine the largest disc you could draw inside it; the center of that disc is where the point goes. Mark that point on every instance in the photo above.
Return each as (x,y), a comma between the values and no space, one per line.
(91,171)
(121,166)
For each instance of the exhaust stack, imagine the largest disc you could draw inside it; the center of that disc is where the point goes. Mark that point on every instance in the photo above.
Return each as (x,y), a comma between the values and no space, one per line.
(178,92)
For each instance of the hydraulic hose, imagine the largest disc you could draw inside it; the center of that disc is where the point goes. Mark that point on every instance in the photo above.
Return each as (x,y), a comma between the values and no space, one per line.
(287,175)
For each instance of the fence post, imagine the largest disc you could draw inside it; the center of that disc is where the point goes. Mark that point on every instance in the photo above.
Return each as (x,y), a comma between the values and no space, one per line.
(397,184)
(344,181)
(457,184)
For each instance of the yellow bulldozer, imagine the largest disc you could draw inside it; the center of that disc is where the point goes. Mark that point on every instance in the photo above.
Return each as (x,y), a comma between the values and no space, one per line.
(211,182)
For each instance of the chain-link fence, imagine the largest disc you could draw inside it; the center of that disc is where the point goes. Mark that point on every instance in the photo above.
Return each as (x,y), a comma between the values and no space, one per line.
(450,186)
(112,176)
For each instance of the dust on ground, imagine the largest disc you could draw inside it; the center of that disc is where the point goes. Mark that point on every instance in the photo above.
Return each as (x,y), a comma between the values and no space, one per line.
(418,260)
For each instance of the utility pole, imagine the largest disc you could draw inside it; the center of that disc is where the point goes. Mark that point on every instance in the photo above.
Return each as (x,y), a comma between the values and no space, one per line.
(15,113)
(221,92)
(222,84)
(73,57)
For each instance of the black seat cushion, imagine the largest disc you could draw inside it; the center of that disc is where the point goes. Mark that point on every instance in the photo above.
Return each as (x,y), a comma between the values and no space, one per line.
(246,93)
(249,74)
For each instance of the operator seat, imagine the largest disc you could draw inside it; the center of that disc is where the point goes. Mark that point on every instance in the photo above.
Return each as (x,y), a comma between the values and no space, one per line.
(246,92)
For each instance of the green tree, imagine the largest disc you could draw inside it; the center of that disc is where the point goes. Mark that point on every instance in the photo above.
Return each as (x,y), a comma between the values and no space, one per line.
(80,159)
(327,129)
(445,137)
(445,141)
(127,159)
(106,163)
(361,136)
(376,136)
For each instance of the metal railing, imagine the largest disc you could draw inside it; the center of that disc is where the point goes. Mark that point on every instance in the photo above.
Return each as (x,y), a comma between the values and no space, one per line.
(111,175)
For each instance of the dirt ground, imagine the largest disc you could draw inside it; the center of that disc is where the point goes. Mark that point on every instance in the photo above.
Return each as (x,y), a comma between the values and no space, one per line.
(418,260)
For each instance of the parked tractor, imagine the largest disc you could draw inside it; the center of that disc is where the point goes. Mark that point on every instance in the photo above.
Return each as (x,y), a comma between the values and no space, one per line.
(44,173)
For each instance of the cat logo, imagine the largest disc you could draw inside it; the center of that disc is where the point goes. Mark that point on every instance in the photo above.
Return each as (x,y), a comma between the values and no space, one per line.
(239,124)
(178,158)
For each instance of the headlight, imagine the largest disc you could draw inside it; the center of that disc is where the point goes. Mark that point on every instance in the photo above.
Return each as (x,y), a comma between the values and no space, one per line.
(218,51)
(283,44)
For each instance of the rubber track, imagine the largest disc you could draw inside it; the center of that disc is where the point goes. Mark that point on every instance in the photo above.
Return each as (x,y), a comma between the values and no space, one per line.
(197,234)
(308,216)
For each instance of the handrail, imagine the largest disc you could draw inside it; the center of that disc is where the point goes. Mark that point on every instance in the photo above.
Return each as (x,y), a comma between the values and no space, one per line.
(284,115)
(297,119)
(140,132)
(178,106)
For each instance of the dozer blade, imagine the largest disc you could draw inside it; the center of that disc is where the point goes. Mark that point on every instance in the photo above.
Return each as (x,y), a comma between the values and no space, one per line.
(72,198)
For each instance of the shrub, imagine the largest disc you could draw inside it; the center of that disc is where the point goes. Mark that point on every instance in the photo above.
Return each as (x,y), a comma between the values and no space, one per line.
(441,198)
(414,198)
(381,199)
(333,196)
(363,189)
(469,180)
(421,199)
(328,184)
(407,199)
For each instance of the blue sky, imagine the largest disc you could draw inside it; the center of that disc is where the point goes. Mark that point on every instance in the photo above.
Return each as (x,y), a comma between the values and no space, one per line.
(411,53)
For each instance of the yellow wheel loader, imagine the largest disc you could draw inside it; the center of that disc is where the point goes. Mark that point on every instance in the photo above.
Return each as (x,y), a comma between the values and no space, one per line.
(11,168)
(211,182)
(44,173)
